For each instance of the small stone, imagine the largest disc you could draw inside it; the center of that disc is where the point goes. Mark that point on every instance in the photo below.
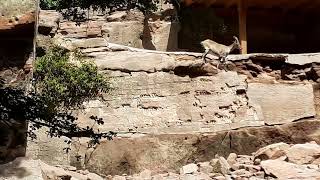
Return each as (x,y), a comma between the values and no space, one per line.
(220,166)
(242,173)
(84,172)
(119,178)
(219,178)
(257,161)
(205,167)
(232,158)
(225,167)
(93,176)
(212,175)
(244,159)
(146,174)
(209,69)
(216,166)
(259,174)
(251,168)
(189,169)
(202,176)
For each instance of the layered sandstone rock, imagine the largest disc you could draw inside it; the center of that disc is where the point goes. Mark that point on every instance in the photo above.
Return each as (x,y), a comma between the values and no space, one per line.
(130,28)
(171,109)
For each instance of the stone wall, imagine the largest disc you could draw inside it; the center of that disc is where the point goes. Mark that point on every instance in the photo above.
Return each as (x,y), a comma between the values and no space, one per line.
(170,108)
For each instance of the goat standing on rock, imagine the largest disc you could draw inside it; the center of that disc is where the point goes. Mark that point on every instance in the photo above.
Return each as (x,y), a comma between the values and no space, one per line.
(219,50)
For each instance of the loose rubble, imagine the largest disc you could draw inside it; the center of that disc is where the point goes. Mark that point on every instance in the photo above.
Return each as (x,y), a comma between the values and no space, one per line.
(276,161)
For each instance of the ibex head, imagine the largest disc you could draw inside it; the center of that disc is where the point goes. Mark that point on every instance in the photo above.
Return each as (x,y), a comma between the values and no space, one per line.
(237,43)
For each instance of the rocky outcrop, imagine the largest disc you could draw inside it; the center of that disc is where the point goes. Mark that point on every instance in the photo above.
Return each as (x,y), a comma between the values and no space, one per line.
(16,37)
(171,109)
(130,28)
(197,97)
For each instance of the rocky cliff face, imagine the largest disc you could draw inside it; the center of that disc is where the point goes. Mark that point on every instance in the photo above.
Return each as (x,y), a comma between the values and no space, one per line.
(16,37)
(130,28)
(171,108)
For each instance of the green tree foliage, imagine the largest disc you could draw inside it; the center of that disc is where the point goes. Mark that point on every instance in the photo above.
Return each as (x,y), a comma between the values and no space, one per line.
(144,5)
(67,84)
(60,86)
(73,9)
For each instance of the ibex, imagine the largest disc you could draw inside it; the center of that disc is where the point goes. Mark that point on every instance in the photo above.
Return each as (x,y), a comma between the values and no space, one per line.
(219,50)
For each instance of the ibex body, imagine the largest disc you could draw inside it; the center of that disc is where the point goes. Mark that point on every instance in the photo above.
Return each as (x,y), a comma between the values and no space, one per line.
(220,50)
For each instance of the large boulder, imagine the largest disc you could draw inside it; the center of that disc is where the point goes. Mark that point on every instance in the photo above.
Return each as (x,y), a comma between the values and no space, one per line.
(284,170)
(21,168)
(273,151)
(127,33)
(304,153)
(27,169)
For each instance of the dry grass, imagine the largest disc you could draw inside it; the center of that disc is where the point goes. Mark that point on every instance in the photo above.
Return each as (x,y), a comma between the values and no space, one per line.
(9,8)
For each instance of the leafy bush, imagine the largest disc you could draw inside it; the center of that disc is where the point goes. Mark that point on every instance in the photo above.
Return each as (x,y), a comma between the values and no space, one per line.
(60,86)
(67,84)
(48,4)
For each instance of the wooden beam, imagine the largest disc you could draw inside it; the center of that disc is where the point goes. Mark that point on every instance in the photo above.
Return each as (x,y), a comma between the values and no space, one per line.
(242,10)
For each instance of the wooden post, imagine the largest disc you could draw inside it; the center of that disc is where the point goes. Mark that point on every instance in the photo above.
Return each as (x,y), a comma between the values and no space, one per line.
(242,10)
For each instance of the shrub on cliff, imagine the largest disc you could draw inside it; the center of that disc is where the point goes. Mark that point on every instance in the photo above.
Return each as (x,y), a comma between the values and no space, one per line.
(59,86)
(67,84)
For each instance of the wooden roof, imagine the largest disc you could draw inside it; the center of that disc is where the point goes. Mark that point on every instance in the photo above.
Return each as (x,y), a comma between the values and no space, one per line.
(285,4)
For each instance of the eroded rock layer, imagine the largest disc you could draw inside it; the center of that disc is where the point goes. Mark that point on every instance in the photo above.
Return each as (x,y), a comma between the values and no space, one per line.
(171,109)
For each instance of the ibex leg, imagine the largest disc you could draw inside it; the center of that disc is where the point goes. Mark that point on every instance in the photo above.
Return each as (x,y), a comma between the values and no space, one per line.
(205,54)
(221,60)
